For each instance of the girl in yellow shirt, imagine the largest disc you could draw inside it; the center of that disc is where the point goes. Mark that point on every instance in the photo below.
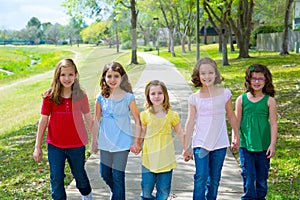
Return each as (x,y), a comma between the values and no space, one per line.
(158,155)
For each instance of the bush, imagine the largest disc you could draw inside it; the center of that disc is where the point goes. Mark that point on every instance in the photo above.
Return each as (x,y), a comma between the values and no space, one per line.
(148,49)
(264,29)
(126,45)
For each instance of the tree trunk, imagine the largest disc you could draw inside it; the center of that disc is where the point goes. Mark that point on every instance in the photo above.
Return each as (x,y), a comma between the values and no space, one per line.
(220,42)
(242,26)
(189,44)
(134,15)
(230,38)
(284,49)
(171,34)
(205,31)
(224,50)
(117,41)
(183,43)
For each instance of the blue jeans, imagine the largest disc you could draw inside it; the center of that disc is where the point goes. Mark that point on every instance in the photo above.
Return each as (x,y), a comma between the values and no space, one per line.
(163,184)
(112,170)
(76,158)
(208,173)
(255,168)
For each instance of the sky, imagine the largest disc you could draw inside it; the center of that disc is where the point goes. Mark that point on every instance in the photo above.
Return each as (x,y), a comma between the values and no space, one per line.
(14,14)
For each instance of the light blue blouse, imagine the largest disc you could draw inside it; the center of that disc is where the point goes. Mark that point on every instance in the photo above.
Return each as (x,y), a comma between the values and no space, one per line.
(115,132)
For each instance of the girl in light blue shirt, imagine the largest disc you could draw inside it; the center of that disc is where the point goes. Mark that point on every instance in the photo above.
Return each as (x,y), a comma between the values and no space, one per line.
(112,111)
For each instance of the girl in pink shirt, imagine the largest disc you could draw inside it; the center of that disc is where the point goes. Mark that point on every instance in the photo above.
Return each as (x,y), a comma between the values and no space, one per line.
(206,121)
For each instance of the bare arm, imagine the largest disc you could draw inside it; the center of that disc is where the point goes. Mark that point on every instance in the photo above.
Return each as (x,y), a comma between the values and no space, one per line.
(95,127)
(89,121)
(179,132)
(43,123)
(238,110)
(235,143)
(187,136)
(136,147)
(274,127)
(189,127)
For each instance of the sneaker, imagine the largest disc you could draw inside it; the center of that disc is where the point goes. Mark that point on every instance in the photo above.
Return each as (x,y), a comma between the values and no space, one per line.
(87,197)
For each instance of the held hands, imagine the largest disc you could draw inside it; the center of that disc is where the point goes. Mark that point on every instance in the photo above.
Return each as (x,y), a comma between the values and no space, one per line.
(94,147)
(187,155)
(235,145)
(136,149)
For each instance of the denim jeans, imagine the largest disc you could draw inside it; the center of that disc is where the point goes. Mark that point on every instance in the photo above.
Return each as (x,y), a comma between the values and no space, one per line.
(76,159)
(255,167)
(112,170)
(208,173)
(163,184)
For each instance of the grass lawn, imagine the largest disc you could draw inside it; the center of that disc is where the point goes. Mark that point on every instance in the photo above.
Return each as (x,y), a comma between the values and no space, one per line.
(20,103)
(284,175)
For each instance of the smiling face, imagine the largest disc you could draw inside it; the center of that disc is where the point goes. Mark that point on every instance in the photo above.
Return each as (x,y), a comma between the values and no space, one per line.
(113,79)
(257,81)
(156,95)
(67,76)
(207,75)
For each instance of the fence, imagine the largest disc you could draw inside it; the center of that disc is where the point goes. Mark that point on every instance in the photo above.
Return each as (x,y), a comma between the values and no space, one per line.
(273,41)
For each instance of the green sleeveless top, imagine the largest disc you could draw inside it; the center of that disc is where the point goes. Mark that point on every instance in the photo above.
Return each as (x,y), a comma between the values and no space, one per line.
(255,131)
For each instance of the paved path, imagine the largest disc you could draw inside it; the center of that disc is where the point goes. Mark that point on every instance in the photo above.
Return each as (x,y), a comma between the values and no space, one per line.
(182,183)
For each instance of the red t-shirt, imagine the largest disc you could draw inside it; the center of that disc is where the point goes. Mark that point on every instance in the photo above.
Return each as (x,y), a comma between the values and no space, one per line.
(66,127)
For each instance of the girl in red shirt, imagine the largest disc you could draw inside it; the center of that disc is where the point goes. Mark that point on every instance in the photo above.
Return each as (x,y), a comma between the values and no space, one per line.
(63,108)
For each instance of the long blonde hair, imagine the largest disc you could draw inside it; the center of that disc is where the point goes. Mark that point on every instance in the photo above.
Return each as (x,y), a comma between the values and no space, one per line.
(56,89)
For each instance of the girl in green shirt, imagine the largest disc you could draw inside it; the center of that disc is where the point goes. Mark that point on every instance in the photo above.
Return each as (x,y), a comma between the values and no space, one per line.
(257,117)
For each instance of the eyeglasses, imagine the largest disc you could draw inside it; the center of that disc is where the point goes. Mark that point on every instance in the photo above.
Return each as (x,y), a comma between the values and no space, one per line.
(260,80)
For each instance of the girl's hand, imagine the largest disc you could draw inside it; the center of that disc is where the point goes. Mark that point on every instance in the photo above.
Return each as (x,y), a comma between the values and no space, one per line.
(187,155)
(37,154)
(271,151)
(235,145)
(136,149)
(94,147)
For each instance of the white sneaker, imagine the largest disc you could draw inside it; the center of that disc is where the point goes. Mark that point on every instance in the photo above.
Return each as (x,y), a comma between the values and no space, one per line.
(87,197)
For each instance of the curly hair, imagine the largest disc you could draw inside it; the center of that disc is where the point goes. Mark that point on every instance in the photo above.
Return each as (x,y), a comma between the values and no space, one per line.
(258,68)
(117,67)
(148,103)
(196,77)
(56,89)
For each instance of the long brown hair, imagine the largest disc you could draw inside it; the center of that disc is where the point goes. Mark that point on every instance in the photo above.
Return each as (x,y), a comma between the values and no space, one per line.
(258,68)
(117,67)
(56,89)
(166,102)
(196,77)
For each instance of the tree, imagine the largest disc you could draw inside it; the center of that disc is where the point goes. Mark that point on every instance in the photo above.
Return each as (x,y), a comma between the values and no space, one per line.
(53,33)
(186,18)
(134,14)
(284,48)
(34,22)
(168,11)
(79,9)
(218,12)
(241,23)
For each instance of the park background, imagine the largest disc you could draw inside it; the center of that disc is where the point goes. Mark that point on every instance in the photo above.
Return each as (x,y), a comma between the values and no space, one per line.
(27,70)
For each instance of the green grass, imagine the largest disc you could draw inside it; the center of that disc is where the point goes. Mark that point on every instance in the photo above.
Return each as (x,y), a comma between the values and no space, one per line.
(284,177)
(20,176)
(17,60)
